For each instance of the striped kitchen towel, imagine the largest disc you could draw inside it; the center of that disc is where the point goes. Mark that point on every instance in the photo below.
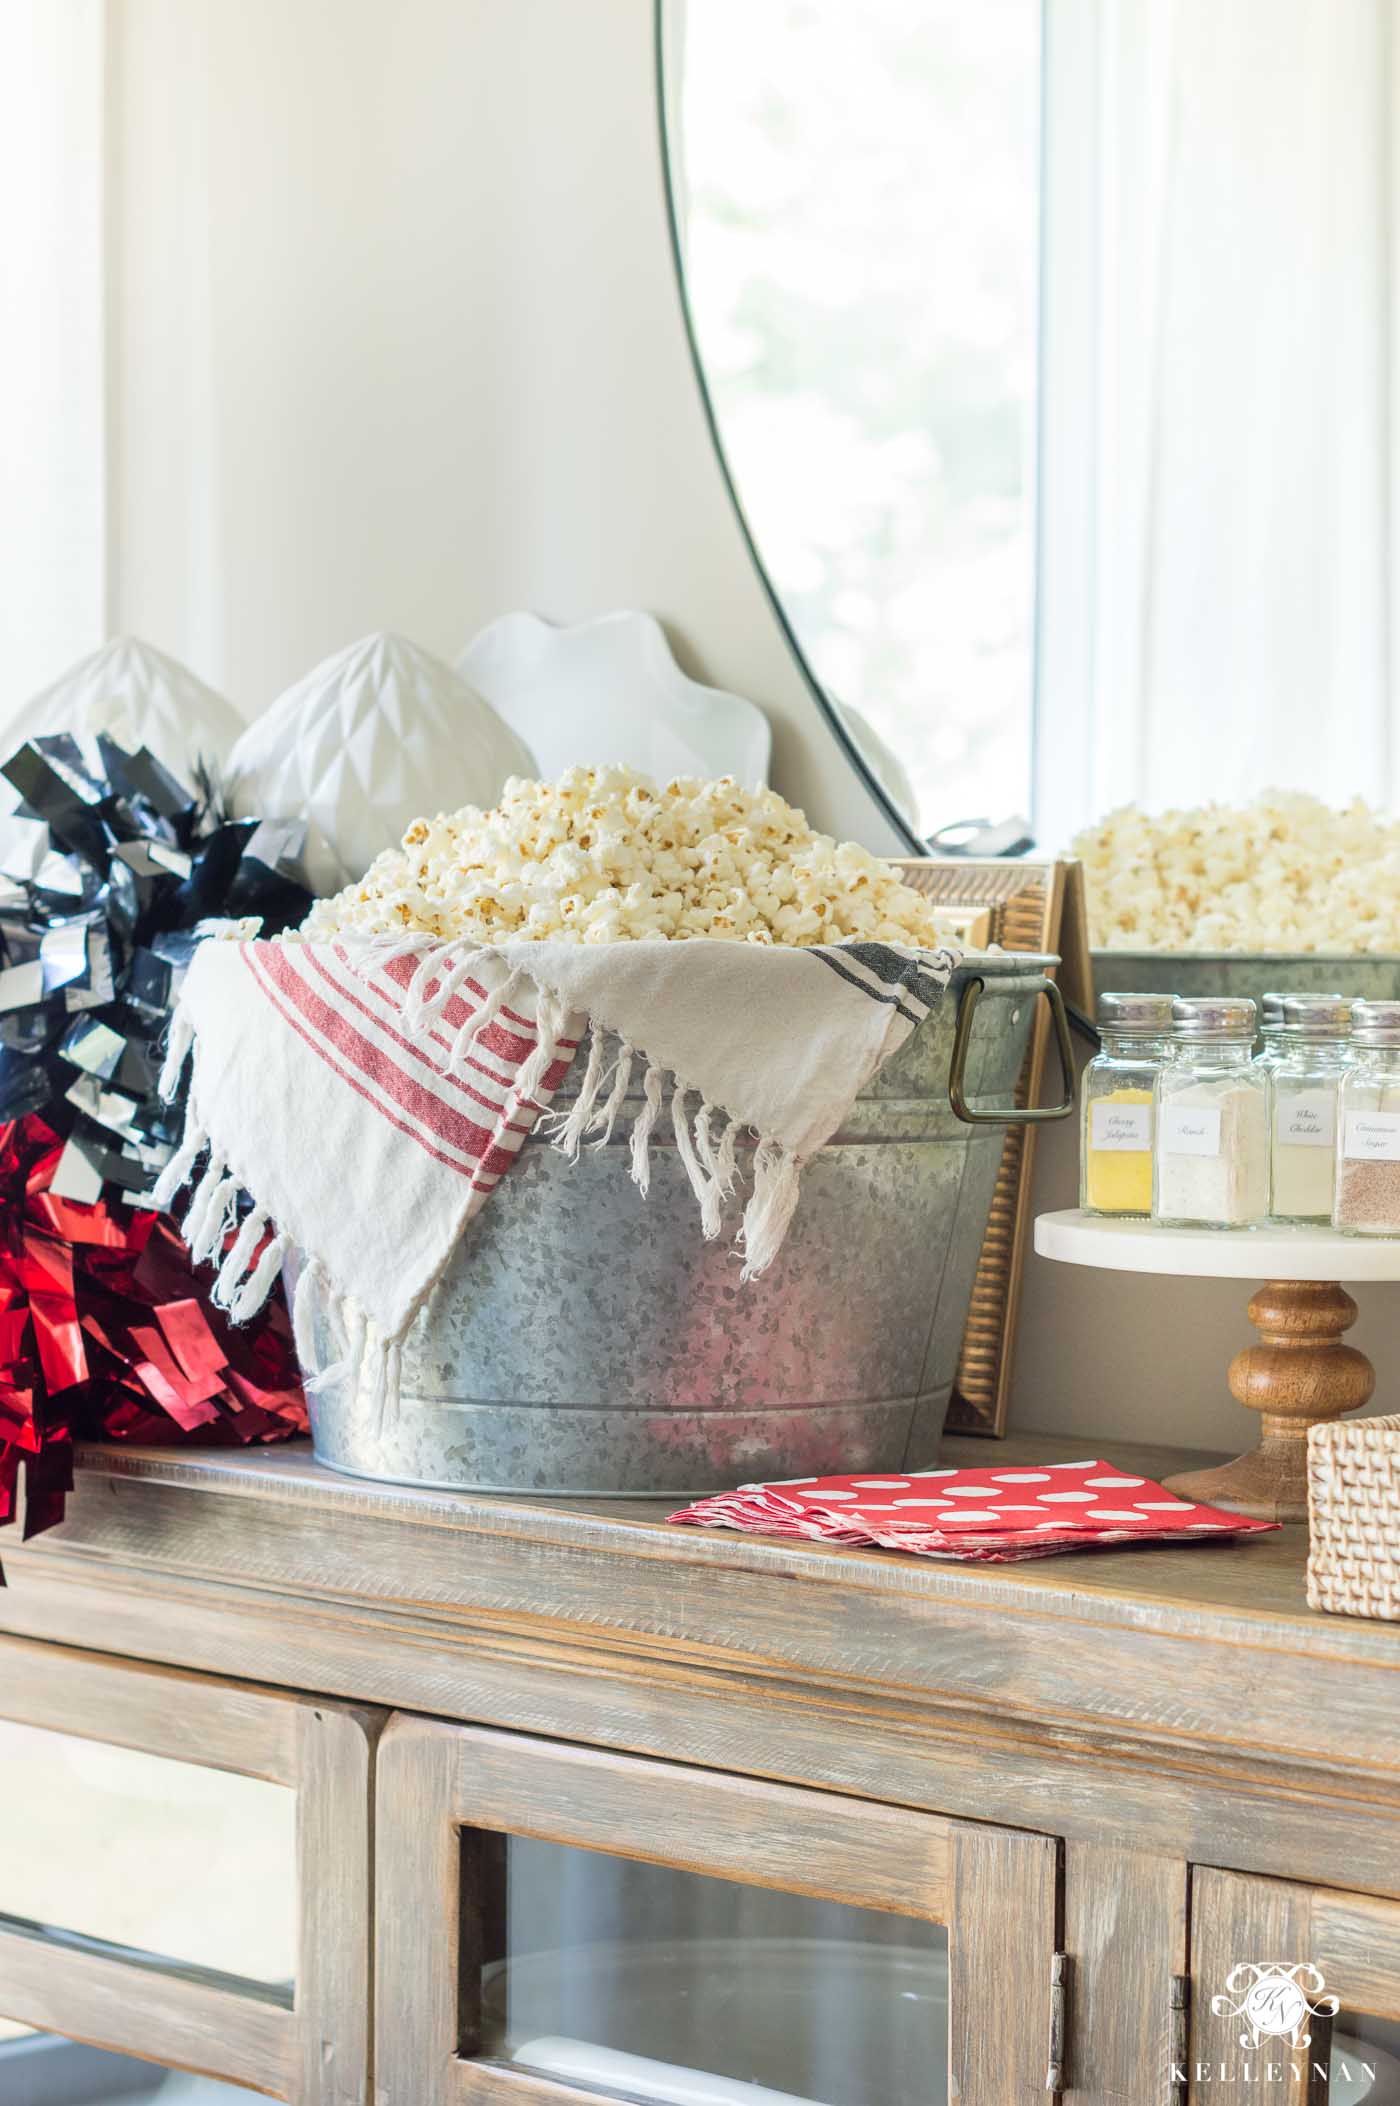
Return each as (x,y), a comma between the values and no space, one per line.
(367,1097)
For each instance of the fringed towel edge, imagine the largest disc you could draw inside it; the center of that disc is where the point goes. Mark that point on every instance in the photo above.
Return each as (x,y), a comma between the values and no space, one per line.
(710,1165)
(710,1162)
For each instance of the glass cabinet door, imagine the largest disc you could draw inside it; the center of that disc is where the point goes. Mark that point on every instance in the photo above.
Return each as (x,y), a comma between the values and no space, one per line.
(42,2069)
(563,1924)
(1295,1994)
(184,1877)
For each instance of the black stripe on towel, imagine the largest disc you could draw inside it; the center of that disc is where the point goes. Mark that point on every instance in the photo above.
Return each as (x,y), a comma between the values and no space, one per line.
(914,987)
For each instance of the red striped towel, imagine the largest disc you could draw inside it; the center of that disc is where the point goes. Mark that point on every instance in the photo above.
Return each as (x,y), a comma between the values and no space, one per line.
(347,1130)
(369,1099)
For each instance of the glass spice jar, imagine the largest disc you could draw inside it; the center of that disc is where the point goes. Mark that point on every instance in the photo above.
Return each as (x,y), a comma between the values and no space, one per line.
(1115,1157)
(1211,1154)
(1305,1077)
(1270,1030)
(1367,1201)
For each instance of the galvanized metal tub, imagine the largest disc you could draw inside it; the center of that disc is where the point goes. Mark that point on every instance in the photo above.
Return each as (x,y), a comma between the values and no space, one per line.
(587,1340)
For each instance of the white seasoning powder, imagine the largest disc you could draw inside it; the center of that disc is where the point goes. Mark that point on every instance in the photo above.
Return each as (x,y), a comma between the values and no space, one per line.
(1213,1153)
(1305,1129)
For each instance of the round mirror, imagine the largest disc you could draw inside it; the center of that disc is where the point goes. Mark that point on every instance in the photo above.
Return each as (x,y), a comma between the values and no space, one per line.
(855,198)
(1050,350)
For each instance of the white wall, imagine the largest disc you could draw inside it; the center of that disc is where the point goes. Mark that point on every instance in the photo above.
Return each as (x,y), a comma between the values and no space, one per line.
(398,346)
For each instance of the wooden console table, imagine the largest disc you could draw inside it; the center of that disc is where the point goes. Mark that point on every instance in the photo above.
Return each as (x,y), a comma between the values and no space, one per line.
(1114,1777)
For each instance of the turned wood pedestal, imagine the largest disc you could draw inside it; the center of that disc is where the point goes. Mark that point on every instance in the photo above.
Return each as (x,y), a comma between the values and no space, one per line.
(1300,1374)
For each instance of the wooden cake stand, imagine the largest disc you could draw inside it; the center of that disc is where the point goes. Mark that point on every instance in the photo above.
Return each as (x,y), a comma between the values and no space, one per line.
(1299,1375)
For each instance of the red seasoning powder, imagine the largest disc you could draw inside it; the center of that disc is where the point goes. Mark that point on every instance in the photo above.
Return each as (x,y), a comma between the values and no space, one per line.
(1368,1196)
(1368,1124)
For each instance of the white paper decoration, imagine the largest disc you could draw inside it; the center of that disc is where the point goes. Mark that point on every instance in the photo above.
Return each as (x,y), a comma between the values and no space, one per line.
(610,690)
(371,739)
(142,698)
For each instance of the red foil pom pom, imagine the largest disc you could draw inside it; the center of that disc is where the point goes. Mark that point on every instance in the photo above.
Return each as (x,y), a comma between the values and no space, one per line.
(106,1334)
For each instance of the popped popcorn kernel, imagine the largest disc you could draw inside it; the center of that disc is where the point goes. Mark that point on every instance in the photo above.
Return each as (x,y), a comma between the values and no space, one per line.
(604,856)
(1286,874)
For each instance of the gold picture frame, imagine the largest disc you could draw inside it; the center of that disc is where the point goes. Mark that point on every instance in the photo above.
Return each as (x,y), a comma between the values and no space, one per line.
(1022,906)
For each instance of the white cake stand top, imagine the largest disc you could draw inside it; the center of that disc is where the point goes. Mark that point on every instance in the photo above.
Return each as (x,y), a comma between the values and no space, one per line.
(1219,1254)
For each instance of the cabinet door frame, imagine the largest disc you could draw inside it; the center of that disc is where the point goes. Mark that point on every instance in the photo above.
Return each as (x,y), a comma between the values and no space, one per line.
(441,1785)
(1240,1918)
(312,2050)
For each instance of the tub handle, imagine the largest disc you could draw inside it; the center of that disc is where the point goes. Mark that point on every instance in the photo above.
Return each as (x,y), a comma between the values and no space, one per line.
(1010,1115)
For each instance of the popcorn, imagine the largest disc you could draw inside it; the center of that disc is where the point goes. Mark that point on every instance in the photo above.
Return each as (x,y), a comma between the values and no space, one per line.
(1284,874)
(604,856)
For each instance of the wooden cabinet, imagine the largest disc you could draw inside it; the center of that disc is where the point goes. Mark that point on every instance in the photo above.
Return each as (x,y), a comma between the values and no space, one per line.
(1271,1961)
(1087,1787)
(111,1912)
(454,1803)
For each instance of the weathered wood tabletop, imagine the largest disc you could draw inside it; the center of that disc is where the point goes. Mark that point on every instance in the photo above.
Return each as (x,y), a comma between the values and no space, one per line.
(1216,1587)
(1189,1690)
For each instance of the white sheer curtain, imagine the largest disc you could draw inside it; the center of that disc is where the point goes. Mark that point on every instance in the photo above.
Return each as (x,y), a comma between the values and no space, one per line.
(1217,564)
(52,361)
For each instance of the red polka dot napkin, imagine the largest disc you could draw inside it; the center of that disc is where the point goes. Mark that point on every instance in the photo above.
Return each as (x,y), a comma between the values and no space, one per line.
(991,1514)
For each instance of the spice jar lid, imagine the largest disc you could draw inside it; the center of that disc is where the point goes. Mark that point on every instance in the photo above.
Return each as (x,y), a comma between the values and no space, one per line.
(1136,1015)
(1376,1023)
(1213,1016)
(1323,1016)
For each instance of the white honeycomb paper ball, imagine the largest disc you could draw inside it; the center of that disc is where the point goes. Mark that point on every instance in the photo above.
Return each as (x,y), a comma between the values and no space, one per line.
(139,696)
(371,739)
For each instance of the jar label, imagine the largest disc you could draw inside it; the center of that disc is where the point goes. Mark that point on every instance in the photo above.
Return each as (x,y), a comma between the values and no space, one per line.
(1189,1129)
(1305,1119)
(1372,1135)
(1120,1128)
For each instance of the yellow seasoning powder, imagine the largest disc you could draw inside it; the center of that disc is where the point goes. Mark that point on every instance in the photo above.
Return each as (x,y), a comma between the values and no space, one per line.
(1118,1153)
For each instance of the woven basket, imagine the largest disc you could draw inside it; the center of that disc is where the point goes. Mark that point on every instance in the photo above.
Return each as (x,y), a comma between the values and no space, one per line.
(1354,1516)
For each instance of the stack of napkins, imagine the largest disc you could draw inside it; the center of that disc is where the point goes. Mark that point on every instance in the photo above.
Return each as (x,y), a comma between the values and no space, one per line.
(990,1514)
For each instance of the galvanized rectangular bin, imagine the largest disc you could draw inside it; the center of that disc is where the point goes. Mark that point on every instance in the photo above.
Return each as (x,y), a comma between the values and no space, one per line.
(1370,976)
